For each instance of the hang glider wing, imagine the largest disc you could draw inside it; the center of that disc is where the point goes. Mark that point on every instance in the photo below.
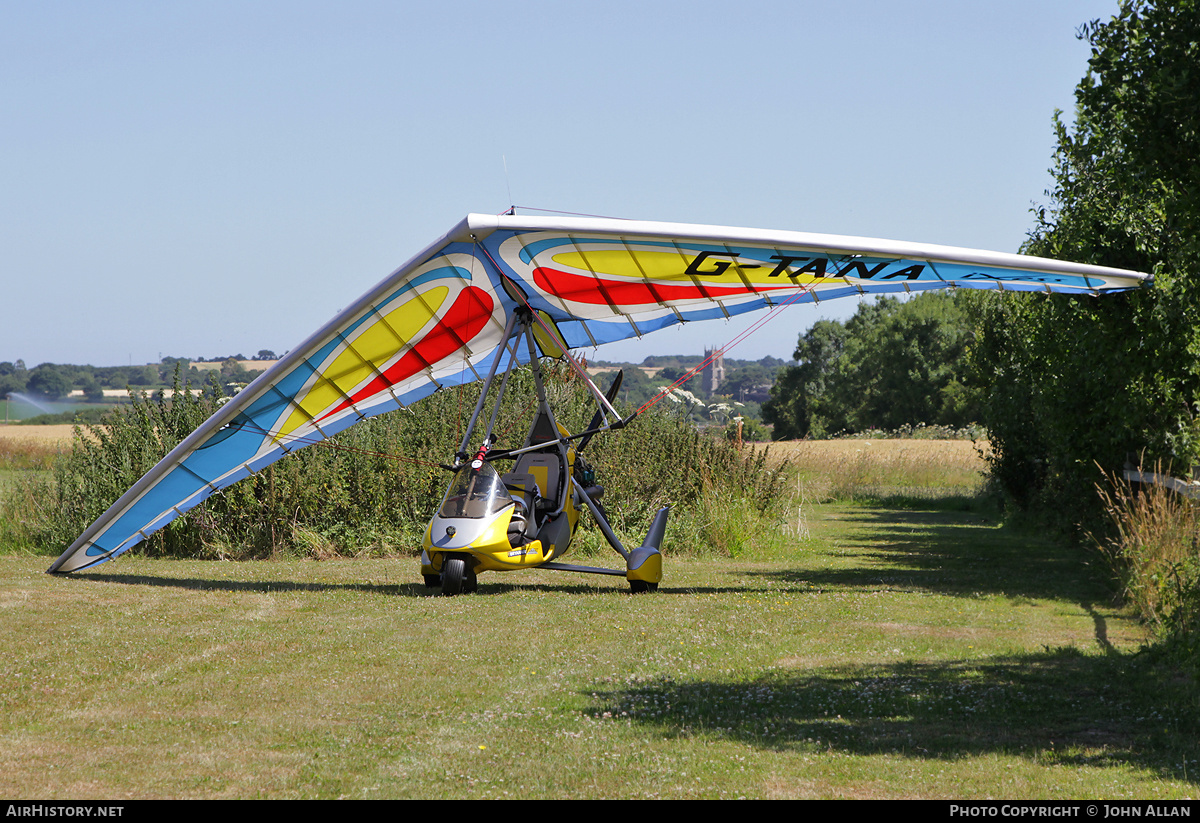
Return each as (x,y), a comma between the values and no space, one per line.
(439,320)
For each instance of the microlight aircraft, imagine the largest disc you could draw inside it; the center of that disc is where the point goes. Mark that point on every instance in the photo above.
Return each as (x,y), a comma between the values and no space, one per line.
(498,290)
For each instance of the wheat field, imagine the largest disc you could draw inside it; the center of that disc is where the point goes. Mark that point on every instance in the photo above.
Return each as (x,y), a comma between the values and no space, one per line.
(852,468)
(61,433)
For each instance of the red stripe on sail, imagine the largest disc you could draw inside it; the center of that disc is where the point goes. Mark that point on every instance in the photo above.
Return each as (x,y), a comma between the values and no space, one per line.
(465,319)
(625,292)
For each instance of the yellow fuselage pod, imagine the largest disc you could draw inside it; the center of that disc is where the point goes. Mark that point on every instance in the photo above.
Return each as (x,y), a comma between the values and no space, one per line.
(486,540)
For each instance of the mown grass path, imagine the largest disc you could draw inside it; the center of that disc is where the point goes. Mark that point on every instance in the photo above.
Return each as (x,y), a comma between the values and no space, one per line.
(911,653)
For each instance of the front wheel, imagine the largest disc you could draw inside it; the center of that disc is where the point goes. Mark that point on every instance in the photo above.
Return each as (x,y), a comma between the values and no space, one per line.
(454,571)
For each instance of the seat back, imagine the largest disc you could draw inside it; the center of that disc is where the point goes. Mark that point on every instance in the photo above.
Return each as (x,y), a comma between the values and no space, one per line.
(545,470)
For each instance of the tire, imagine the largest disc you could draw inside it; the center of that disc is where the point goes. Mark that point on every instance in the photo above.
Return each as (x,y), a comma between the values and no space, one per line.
(454,571)
(641,586)
(432,581)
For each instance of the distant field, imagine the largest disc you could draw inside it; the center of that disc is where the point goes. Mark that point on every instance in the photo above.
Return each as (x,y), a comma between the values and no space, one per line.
(41,434)
(248,365)
(960,452)
(871,468)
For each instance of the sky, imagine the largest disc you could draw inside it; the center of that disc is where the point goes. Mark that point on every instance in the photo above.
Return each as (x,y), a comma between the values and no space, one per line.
(201,179)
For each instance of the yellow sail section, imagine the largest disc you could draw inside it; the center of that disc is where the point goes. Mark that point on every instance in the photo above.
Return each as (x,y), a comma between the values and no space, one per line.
(672,265)
(653,264)
(365,356)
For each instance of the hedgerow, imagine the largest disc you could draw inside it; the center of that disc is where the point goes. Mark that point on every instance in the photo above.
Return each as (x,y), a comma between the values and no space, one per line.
(373,488)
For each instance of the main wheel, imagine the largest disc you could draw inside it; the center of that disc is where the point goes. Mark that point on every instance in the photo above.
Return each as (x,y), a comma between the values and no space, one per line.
(454,571)
(432,581)
(640,586)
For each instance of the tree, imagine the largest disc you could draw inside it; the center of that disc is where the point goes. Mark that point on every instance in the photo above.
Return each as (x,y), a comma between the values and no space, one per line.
(794,397)
(903,364)
(667,375)
(48,380)
(745,381)
(12,379)
(93,392)
(142,375)
(1074,385)
(891,364)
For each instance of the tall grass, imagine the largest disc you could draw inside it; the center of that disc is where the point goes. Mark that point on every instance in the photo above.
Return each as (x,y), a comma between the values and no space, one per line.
(27,454)
(372,489)
(25,487)
(860,469)
(1154,550)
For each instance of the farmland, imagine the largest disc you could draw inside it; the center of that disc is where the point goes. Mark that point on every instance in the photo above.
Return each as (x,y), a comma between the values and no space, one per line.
(865,468)
(59,434)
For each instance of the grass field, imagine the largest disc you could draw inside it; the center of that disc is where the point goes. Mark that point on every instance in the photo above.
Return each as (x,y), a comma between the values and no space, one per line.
(926,653)
(856,469)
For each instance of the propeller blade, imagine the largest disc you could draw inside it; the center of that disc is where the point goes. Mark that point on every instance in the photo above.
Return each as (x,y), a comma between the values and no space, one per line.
(598,417)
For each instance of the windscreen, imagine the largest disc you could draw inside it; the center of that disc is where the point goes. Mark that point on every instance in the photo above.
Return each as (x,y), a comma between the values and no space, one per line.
(475,493)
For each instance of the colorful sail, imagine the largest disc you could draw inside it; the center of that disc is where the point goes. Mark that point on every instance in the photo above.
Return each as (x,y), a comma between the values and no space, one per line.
(439,320)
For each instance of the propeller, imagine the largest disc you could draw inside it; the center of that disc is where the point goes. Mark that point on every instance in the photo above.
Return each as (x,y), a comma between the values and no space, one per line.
(598,417)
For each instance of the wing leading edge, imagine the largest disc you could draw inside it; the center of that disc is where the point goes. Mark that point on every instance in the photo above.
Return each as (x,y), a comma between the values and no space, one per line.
(439,319)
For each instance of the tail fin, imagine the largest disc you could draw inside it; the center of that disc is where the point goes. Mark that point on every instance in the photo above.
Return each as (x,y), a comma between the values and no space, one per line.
(658,529)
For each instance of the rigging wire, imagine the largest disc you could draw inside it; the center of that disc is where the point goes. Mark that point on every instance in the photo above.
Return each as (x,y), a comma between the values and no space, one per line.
(800,292)
(511,210)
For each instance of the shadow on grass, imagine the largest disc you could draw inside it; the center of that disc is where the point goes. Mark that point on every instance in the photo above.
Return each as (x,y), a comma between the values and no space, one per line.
(953,552)
(260,586)
(1055,707)
(1058,707)
(943,547)
(486,586)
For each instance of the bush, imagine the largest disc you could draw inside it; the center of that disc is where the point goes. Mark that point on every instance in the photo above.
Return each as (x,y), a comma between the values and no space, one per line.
(373,488)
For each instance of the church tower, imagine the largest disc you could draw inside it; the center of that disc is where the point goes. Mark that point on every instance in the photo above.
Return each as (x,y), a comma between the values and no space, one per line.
(713,374)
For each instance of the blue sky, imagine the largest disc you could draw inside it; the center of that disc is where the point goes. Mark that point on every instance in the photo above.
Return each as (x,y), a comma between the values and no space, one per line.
(194,179)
